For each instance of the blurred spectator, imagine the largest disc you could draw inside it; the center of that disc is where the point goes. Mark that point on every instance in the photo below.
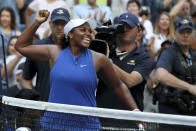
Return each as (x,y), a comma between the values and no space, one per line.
(193,16)
(141,40)
(145,16)
(70,3)
(27,84)
(99,2)
(134,7)
(12,4)
(164,29)
(92,10)
(181,9)
(153,9)
(36,5)
(7,27)
(13,60)
(149,106)
(165,5)
(1,92)
(165,44)
(145,13)
(22,5)
(122,6)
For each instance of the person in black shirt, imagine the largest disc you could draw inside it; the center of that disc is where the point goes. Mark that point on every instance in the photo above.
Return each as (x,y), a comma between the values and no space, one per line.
(131,63)
(59,18)
(175,75)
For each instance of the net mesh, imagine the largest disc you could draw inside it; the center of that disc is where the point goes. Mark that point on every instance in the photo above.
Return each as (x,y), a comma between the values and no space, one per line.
(43,116)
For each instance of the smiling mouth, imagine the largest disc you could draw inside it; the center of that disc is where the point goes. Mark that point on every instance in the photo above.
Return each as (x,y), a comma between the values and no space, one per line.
(87,40)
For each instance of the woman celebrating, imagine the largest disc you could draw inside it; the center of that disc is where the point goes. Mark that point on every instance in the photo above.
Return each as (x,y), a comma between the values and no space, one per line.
(74,67)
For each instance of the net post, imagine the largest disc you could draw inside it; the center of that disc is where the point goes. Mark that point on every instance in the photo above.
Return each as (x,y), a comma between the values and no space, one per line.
(5,67)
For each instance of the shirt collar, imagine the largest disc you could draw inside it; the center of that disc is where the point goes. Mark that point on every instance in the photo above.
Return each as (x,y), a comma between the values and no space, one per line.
(123,54)
(177,47)
(135,51)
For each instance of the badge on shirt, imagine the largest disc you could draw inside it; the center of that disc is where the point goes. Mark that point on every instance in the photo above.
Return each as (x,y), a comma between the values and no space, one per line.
(131,62)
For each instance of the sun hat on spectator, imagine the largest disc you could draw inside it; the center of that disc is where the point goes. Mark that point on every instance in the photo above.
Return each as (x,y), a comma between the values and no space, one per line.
(78,22)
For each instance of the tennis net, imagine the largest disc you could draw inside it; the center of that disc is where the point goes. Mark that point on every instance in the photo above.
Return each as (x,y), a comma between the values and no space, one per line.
(44,116)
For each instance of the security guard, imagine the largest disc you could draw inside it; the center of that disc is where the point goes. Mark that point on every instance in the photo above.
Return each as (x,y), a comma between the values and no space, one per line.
(176,73)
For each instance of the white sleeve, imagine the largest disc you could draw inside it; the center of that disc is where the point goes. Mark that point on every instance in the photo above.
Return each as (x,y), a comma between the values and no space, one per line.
(149,29)
(10,58)
(108,13)
(76,12)
(66,6)
(34,5)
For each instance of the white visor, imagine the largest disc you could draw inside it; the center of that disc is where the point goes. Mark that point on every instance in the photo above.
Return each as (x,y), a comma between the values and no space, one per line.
(78,22)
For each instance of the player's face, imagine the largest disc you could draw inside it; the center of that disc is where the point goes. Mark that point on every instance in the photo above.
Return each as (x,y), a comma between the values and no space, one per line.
(81,36)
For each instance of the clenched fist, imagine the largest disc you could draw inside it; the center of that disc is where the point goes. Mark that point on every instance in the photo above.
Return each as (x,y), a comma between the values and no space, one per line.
(42,16)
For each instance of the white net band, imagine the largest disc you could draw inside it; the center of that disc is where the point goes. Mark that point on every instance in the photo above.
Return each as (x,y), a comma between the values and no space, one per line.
(103,113)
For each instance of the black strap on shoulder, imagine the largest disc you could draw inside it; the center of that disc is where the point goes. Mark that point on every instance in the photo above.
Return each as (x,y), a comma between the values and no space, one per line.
(190,75)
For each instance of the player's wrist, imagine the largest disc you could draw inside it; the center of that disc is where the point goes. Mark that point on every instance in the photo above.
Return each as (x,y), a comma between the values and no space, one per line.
(138,110)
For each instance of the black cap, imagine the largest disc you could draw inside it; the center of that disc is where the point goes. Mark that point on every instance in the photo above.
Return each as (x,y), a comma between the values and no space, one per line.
(166,42)
(184,23)
(145,10)
(60,14)
(129,18)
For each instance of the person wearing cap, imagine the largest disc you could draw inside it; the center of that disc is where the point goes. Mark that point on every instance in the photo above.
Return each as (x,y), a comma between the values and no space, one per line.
(176,74)
(131,63)
(35,6)
(74,70)
(58,19)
